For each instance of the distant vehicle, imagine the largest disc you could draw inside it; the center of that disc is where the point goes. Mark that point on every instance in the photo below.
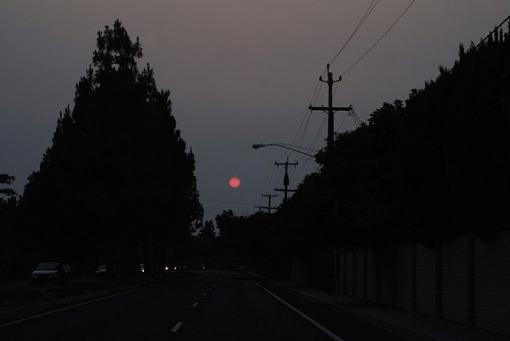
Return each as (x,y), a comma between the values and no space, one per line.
(142,267)
(102,270)
(202,267)
(180,267)
(51,272)
(68,271)
(244,268)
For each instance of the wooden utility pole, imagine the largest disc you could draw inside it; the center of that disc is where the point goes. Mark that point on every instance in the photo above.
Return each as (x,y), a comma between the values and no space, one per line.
(268,207)
(330,109)
(285,188)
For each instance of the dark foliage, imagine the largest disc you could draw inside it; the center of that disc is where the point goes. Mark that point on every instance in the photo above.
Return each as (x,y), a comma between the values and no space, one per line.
(244,240)
(431,168)
(6,179)
(8,212)
(117,184)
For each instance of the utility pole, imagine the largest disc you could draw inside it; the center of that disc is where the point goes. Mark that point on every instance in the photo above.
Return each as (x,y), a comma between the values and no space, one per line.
(330,109)
(268,207)
(285,188)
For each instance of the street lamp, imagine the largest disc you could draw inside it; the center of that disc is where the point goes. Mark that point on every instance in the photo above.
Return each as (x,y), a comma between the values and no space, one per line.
(262,145)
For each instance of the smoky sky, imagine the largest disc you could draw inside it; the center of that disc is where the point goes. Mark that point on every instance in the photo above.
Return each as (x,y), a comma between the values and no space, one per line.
(240,72)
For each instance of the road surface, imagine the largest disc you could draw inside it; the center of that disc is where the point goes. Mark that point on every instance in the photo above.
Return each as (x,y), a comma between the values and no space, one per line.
(205,305)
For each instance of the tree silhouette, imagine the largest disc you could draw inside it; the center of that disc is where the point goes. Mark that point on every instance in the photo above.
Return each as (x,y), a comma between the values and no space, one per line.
(117,181)
(207,231)
(6,179)
(9,240)
(427,169)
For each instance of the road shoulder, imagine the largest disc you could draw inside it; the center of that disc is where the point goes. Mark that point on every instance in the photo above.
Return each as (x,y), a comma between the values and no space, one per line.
(405,325)
(340,322)
(22,302)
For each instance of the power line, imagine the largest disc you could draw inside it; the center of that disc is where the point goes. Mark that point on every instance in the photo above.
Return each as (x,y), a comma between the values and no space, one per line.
(318,85)
(306,118)
(313,102)
(501,100)
(330,109)
(268,207)
(364,18)
(343,121)
(226,202)
(295,173)
(380,38)
(306,113)
(294,146)
(305,160)
(269,183)
(316,93)
(319,132)
(304,124)
(495,30)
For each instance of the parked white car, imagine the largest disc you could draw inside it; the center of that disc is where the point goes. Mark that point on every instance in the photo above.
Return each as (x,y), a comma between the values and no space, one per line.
(51,272)
(101,270)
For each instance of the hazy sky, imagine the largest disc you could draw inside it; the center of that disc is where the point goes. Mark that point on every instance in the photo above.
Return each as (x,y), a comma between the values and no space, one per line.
(240,72)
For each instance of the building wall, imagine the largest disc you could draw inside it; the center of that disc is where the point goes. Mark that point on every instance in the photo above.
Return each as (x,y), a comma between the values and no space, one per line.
(473,279)
(404,283)
(425,280)
(342,281)
(371,275)
(454,279)
(492,283)
(387,272)
(299,273)
(360,274)
(349,278)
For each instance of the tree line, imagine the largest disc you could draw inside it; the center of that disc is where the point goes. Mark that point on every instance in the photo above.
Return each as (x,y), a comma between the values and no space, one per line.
(117,184)
(426,169)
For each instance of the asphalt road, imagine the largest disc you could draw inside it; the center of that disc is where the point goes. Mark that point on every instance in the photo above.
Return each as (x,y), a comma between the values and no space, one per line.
(197,306)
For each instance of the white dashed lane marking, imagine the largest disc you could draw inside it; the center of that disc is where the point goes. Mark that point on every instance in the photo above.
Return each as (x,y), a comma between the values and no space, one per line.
(195,304)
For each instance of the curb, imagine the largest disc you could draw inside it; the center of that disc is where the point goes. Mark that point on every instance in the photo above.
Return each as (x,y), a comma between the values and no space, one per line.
(403,332)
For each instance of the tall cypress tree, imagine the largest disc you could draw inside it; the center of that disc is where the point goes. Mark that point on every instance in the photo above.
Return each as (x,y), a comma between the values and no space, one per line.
(117,176)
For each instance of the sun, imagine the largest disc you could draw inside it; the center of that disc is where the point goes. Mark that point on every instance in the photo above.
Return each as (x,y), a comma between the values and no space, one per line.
(234,182)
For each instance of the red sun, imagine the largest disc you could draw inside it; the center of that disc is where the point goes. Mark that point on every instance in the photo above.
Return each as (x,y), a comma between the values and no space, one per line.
(234,182)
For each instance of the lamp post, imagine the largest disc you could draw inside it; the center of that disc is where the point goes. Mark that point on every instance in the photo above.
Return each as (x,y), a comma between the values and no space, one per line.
(262,145)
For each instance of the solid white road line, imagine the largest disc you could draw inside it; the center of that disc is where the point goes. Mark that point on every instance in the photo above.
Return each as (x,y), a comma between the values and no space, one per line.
(176,327)
(300,313)
(38,316)
(195,304)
